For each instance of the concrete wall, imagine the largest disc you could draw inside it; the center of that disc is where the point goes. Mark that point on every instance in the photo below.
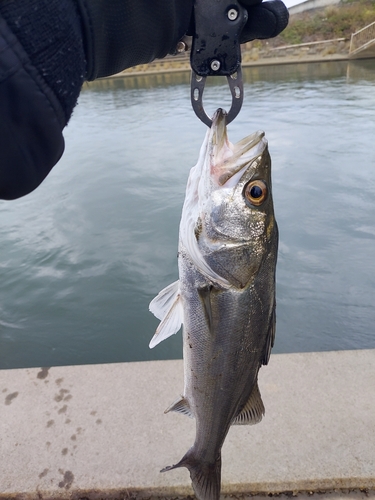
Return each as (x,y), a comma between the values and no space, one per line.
(311,4)
(90,432)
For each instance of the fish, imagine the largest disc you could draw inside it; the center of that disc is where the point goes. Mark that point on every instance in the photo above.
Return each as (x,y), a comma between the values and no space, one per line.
(224,297)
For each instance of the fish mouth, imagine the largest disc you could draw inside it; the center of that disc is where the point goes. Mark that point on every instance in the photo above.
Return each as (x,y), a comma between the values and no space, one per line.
(229,159)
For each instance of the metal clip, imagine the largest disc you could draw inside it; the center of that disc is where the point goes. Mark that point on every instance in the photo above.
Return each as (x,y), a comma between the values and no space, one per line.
(236,87)
(216,51)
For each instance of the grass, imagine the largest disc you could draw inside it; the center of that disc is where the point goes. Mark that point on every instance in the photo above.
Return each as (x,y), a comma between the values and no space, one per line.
(336,21)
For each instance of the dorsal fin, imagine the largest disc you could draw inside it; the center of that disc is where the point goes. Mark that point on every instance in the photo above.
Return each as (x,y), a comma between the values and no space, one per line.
(253,410)
(167,307)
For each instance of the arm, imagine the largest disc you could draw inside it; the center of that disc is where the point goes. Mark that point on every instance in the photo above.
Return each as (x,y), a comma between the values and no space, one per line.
(49,47)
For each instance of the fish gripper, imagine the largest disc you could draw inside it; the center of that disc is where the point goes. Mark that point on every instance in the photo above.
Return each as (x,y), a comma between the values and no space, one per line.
(216,51)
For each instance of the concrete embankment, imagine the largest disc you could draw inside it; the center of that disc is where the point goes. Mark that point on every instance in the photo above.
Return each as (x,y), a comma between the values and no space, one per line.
(160,68)
(269,61)
(99,431)
(252,55)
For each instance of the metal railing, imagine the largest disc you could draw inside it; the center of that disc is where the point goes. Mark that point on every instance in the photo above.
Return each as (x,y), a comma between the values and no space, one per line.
(362,38)
(309,44)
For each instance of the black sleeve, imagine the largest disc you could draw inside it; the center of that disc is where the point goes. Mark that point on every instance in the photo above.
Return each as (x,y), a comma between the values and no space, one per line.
(120,34)
(31,121)
(47,49)
(42,67)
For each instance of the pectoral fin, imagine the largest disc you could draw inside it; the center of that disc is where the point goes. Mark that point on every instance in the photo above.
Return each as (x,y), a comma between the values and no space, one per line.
(253,410)
(167,306)
(161,304)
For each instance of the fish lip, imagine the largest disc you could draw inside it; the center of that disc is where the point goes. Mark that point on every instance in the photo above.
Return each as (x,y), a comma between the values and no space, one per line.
(219,118)
(227,159)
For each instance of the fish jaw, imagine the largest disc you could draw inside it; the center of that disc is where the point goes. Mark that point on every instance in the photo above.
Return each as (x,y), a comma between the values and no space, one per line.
(198,188)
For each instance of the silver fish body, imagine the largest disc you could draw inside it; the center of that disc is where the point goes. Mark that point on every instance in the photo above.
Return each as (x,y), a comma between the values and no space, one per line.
(225,296)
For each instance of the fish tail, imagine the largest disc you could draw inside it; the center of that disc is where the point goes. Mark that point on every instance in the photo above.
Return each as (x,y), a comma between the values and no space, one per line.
(205,477)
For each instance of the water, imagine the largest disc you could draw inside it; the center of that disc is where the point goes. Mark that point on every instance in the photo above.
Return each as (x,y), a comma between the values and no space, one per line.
(83,255)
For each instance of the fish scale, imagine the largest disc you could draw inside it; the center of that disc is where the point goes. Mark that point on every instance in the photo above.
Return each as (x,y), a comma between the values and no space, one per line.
(225,295)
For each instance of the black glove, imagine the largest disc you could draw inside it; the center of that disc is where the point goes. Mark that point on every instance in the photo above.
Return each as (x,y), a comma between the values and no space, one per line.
(265,20)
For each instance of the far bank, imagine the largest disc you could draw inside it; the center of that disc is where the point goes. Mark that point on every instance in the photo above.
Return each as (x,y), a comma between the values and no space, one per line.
(253,56)
(285,70)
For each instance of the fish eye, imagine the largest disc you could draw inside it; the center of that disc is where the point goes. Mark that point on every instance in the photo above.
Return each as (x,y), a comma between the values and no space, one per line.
(255,192)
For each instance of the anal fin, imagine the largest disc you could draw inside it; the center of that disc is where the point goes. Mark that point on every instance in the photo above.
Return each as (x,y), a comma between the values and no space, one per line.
(253,411)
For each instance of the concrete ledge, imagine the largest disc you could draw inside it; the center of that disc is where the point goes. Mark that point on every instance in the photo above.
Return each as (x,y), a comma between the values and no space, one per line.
(261,61)
(99,431)
(311,5)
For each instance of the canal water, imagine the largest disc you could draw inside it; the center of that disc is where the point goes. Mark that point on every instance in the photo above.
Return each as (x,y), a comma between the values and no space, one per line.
(83,255)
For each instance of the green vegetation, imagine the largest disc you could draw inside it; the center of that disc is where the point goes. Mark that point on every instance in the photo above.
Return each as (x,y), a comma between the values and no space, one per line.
(337,21)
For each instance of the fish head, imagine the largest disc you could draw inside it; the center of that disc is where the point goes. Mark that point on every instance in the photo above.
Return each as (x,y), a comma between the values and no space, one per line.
(234,222)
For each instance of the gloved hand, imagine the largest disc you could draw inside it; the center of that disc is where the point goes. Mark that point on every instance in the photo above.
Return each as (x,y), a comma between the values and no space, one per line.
(120,34)
(265,19)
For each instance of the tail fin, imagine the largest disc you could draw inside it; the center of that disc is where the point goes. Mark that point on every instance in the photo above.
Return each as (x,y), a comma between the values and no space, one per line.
(205,477)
